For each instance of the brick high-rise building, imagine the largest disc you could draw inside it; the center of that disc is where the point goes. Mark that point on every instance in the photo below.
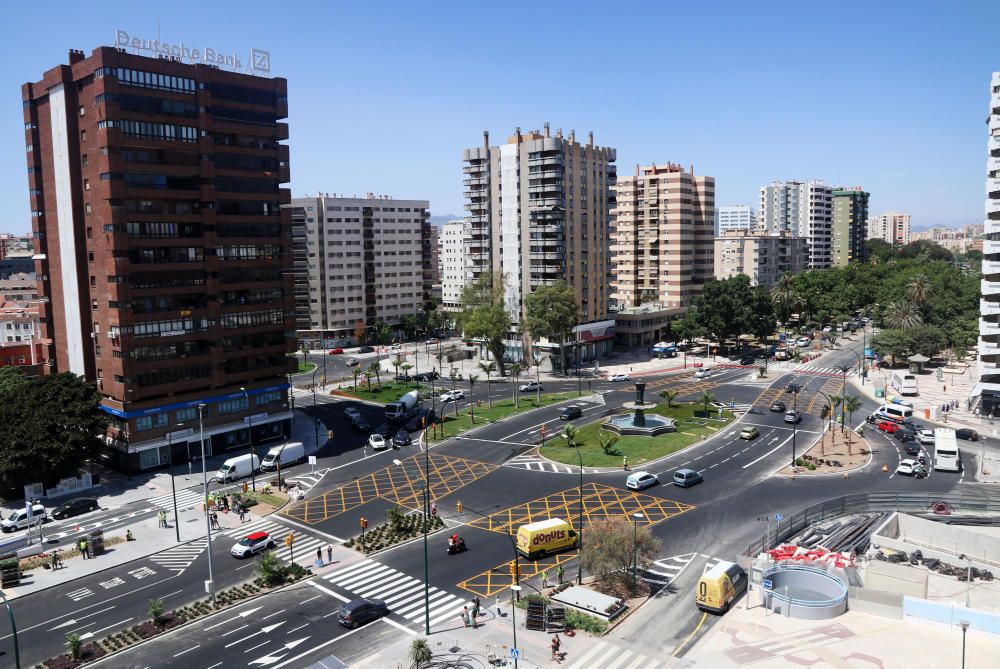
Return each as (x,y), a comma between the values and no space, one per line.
(163,247)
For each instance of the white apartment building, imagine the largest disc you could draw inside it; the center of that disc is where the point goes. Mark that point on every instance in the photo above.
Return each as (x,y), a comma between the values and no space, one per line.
(989,306)
(805,209)
(736,217)
(763,257)
(367,260)
(452,258)
(891,227)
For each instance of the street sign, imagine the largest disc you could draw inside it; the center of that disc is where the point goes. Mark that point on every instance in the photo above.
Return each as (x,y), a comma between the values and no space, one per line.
(312,459)
(515,653)
(778,516)
(767,584)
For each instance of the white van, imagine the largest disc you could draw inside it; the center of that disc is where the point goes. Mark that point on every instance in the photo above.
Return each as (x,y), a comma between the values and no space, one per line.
(905,384)
(291,453)
(238,467)
(895,412)
(18,520)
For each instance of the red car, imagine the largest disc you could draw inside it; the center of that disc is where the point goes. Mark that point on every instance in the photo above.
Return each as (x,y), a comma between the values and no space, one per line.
(888,427)
(336,351)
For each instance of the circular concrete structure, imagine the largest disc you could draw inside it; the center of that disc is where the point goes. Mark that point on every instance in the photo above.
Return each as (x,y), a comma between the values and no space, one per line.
(804,592)
(637,422)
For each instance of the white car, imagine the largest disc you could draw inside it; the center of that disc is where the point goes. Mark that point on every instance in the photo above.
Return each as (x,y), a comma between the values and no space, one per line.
(530,386)
(351,413)
(828,328)
(252,543)
(802,342)
(906,467)
(926,437)
(377,442)
(618,377)
(703,373)
(452,396)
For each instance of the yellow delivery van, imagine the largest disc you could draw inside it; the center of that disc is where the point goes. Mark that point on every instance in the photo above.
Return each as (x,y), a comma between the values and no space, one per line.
(719,586)
(546,537)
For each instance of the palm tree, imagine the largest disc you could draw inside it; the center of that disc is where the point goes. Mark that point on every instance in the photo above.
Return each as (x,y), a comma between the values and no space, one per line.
(783,296)
(669,396)
(706,399)
(919,290)
(472,402)
(368,374)
(357,372)
(396,363)
(852,403)
(902,315)
(515,371)
(406,367)
(420,654)
(488,367)
(376,369)
(569,434)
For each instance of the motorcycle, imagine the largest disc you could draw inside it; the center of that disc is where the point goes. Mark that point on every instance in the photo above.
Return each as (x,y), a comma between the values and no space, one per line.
(919,472)
(456,546)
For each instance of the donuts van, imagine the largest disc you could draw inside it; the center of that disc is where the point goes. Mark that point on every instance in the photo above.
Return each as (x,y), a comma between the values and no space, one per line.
(546,537)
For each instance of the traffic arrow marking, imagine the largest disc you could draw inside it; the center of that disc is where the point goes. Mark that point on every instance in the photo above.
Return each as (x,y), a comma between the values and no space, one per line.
(84,637)
(65,624)
(267,659)
(292,644)
(269,628)
(244,614)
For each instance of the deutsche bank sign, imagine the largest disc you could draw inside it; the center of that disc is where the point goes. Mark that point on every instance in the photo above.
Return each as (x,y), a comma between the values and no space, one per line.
(259,62)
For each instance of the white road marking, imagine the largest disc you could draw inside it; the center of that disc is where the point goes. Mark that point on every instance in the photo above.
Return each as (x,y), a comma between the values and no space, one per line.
(750,464)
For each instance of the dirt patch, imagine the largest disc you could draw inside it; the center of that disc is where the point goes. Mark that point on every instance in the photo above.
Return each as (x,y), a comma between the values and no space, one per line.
(836,451)
(88,653)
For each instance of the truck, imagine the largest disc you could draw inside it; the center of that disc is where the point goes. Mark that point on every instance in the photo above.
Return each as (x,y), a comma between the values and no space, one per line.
(404,408)
(290,453)
(546,537)
(238,467)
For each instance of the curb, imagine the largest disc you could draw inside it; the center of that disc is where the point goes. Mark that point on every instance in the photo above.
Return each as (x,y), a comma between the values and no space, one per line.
(199,619)
(871,458)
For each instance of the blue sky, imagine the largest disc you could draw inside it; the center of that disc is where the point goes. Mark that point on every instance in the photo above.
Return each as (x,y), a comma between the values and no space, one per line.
(891,96)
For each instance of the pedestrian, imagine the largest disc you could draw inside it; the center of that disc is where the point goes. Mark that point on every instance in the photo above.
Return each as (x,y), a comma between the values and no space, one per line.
(319,556)
(625,462)
(545,578)
(559,574)
(556,644)
(499,612)
(329,554)
(84,549)
(434,508)
(465,615)
(129,536)
(475,606)
(243,513)
(215,521)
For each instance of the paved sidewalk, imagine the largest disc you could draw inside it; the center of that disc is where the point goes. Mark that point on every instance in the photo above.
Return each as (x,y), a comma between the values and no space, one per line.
(759,638)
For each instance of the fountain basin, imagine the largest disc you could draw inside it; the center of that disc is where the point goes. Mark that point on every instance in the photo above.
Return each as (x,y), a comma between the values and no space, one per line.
(625,424)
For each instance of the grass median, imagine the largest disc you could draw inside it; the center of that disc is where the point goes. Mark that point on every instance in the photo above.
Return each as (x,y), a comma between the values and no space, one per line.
(389,391)
(690,430)
(452,425)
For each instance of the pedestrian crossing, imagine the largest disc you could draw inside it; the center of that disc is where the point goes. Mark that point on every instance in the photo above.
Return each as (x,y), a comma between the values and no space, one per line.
(735,407)
(535,463)
(186,499)
(180,557)
(664,572)
(307,480)
(608,655)
(304,548)
(403,594)
(814,370)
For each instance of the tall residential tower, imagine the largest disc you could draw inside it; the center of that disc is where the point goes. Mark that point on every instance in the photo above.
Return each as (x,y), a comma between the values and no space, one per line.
(804,209)
(989,306)
(850,225)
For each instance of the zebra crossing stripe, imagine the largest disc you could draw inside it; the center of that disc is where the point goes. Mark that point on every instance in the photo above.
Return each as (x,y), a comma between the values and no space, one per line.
(77,595)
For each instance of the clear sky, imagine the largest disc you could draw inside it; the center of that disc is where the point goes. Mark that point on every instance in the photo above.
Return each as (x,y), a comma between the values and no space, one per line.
(383,96)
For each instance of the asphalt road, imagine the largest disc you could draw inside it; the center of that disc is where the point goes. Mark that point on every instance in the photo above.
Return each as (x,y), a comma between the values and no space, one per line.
(488,472)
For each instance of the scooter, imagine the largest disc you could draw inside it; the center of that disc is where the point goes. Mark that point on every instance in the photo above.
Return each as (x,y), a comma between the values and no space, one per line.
(456,546)
(919,472)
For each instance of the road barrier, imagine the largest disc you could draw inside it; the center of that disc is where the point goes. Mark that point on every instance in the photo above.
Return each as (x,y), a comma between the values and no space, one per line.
(975,502)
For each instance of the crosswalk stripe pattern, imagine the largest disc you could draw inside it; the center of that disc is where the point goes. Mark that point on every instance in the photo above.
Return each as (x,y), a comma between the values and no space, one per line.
(186,499)
(610,656)
(180,557)
(307,480)
(77,595)
(667,569)
(534,463)
(735,407)
(304,548)
(821,371)
(403,594)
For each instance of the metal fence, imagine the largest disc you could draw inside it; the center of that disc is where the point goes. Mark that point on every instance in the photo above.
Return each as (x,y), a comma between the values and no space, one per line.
(976,501)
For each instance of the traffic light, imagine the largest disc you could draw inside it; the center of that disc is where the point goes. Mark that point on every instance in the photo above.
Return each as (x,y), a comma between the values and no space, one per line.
(245,487)
(513,569)
(458,507)
(364,523)
(290,539)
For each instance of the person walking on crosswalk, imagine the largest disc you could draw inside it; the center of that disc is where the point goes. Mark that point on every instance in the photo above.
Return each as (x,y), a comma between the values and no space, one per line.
(329,554)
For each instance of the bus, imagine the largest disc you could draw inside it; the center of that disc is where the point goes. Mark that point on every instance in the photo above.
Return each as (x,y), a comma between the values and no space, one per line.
(947,457)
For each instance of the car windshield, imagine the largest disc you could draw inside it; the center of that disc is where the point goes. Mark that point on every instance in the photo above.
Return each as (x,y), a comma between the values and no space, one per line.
(245,541)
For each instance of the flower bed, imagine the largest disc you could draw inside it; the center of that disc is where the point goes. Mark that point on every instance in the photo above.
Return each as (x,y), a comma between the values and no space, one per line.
(397,529)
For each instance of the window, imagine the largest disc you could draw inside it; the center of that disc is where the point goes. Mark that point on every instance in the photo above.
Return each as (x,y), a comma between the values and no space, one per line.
(270,398)
(83,110)
(83,159)
(86,184)
(233,406)
(87,209)
(186,414)
(143,423)
(83,135)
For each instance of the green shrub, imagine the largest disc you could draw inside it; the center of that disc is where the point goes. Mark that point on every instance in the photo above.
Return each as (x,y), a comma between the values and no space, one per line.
(587,623)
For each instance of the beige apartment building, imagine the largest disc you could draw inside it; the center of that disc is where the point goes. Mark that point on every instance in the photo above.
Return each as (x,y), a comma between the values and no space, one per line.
(890,227)
(367,260)
(662,249)
(761,256)
(539,211)
(451,255)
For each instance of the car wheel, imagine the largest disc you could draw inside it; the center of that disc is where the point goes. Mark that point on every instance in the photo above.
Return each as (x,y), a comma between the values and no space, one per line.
(354,625)
(93,508)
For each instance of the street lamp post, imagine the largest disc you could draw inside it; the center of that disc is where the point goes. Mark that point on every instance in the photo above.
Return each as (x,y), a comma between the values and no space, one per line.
(13,629)
(314,386)
(968,577)
(579,522)
(795,423)
(208,521)
(316,423)
(173,485)
(253,452)
(513,623)
(965,627)
(636,517)
(844,369)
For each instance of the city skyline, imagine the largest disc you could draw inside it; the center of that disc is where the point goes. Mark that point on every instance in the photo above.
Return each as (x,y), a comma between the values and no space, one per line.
(744,112)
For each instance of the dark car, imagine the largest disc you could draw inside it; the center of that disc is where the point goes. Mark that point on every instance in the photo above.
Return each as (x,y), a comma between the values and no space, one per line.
(401,438)
(967,434)
(747,360)
(366,349)
(911,448)
(426,376)
(904,436)
(360,424)
(359,612)
(778,407)
(793,388)
(75,507)
(569,413)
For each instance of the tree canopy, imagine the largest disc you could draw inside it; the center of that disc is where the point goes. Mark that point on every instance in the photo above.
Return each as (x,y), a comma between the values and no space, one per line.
(551,312)
(48,427)
(484,315)
(731,307)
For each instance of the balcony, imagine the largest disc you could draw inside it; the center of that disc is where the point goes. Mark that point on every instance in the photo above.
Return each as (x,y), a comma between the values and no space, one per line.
(476,181)
(546,255)
(994,142)
(989,308)
(551,159)
(548,202)
(992,206)
(546,174)
(476,195)
(475,206)
(476,168)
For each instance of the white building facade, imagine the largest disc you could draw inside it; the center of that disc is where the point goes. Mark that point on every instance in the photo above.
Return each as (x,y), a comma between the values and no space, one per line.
(989,305)
(891,227)
(804,209)
(736,217)
(452,258)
